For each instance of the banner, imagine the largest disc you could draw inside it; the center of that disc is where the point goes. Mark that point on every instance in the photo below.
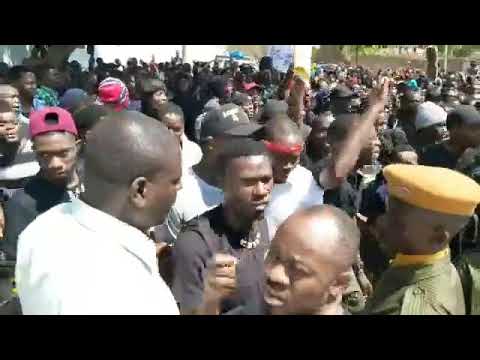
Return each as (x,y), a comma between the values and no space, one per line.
(282,56)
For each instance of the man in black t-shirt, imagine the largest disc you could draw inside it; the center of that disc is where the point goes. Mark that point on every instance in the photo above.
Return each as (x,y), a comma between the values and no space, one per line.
(345,196)
(236,228)
(464,126)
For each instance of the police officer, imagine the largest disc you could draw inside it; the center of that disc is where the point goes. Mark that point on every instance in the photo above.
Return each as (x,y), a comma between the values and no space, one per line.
(427,207)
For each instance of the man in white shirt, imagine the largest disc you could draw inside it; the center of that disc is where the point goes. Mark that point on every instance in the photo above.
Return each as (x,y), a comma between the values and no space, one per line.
(91,256)
(294,188)
(173,118)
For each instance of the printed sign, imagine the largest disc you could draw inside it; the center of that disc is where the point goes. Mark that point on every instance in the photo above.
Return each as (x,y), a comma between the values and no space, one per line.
(282,56)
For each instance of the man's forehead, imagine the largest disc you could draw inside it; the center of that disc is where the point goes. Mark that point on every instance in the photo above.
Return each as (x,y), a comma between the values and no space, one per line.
(7,90)
(55,139)
(318,240)
(288,139)
(172,115)
(53,71)
(251,162)
(8,118)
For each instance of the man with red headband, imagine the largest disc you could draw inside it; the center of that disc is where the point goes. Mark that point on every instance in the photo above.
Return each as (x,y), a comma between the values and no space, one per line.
(295,188)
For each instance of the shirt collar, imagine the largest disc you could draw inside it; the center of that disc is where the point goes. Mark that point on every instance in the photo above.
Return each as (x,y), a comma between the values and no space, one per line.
(131,239)
(408,260)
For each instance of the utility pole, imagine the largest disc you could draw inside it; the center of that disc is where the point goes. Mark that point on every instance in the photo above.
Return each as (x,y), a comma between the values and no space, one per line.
(445,58)
(184,54)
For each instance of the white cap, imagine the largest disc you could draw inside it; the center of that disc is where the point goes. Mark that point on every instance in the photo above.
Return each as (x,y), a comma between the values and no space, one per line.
(429,114)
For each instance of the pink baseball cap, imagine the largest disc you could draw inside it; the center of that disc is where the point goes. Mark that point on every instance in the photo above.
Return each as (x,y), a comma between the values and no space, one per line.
(51,119)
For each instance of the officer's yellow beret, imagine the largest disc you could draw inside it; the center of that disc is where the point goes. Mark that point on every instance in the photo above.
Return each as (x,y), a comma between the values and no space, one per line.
(433,188)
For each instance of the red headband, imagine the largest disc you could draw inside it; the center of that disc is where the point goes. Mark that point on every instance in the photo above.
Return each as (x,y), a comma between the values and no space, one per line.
(284,149)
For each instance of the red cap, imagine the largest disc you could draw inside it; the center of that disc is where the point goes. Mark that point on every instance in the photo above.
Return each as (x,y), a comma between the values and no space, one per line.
(249,86)
(113,91)
(51,119)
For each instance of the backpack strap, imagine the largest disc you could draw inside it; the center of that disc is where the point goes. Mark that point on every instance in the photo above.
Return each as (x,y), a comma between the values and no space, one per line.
(475,232)
(474,299)
(460,242)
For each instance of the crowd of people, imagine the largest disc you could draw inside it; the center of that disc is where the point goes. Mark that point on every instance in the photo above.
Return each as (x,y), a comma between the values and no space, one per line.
(169,188)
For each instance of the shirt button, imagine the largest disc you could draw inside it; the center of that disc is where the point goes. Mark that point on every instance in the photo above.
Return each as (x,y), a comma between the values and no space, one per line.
(417,291)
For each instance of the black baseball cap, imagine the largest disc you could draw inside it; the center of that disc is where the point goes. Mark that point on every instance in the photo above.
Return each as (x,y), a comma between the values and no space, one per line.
(341,92)
(229,119)
(271,109)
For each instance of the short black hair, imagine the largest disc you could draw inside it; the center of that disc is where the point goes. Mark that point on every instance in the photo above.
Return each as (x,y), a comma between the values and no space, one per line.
(340,127)
(151,85)
(469,164)
(170,108)
(393,140)
(434,94)
(42,70)
(463,115)
(403,148)
(88,117)
(281,125)
(240,147)
(4,68)
(216,86)
(17,71)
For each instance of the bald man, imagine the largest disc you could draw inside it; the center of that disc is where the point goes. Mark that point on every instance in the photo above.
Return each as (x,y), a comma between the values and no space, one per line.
(91,256)
(306,272)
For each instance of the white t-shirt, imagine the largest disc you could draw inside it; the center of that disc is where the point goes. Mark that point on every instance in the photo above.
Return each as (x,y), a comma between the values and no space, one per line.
(211,104)
(299,192)
(195,198)
(191,153)
(74,259)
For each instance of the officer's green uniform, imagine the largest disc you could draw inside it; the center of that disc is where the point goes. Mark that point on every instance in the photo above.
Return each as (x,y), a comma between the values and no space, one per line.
(468,267)
(425,284)
(421,289)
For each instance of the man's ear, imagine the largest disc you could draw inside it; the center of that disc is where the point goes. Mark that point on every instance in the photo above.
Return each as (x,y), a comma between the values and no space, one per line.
(339,286)
(440,235)
(87,135)
(138,192)
(78,145)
